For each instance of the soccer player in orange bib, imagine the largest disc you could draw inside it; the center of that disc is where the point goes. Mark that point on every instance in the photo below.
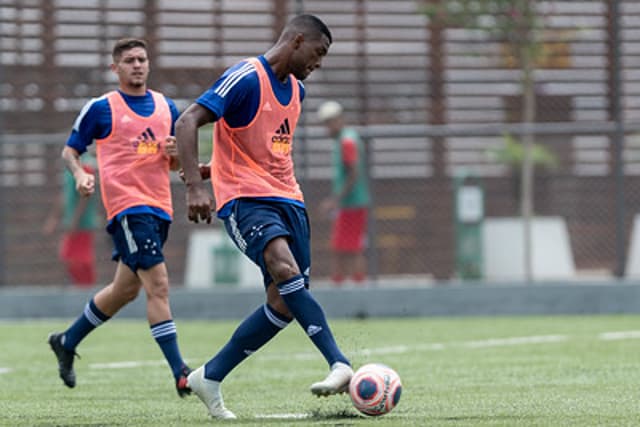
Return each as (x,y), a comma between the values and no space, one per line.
(256,105)
(133,129)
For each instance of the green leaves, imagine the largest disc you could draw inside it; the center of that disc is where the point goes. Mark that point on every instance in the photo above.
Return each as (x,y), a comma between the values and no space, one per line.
(513,21)
(511,153)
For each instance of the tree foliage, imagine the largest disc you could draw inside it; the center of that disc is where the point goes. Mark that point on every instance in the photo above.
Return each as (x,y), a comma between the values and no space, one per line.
(517,23)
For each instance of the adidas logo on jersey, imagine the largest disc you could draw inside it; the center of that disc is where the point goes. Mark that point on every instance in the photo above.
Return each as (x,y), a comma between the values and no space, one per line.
(282,138)
(146,142)
(283,130)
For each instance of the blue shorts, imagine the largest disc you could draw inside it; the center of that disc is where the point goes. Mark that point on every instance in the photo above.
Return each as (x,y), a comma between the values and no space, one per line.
(138,240)
(253,223)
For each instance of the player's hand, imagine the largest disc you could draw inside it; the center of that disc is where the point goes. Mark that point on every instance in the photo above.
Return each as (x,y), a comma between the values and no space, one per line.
(170,150)
(327,206)
(171,146)
(205,170)
(85,183)
(49,226)
(199,203)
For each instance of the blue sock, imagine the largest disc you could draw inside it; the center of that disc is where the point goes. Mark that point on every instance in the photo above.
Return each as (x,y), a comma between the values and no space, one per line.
(167,338)
(310,316)
(254,332)
(90,319)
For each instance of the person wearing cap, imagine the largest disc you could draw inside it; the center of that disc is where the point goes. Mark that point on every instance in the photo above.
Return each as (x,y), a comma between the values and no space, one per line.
(349,200)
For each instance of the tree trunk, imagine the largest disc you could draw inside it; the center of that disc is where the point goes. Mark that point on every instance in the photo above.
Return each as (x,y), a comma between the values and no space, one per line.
(526,178)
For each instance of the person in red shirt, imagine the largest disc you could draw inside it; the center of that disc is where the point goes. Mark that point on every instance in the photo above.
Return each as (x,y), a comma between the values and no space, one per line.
(349,201)
(79,219)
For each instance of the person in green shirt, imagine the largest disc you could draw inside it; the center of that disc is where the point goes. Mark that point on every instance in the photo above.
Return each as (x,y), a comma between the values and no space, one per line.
(79,219)
(349,198)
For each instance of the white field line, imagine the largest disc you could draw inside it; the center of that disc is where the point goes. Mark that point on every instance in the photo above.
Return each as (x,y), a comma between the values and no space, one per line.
(399,349)
(504,342)
(622,335)
(127,364)
(4,370)
(282,416)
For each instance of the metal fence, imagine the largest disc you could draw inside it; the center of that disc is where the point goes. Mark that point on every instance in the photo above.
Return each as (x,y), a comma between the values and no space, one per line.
(434,103)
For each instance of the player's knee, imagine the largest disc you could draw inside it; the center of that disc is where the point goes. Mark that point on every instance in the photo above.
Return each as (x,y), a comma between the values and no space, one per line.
(279,261)
(282,269)
(129,294)
(158,289)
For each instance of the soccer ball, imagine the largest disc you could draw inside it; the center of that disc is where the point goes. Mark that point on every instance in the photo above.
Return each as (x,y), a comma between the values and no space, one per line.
(375,389)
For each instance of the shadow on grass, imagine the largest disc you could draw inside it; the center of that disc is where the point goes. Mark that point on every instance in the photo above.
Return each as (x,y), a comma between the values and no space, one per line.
(334,415)
(341,417)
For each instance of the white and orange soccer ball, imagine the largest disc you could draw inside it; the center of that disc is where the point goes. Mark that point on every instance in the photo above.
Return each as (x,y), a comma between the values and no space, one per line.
(375,389)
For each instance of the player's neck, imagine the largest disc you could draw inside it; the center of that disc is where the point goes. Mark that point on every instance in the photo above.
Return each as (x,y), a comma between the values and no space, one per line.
(133,91)
(278,63)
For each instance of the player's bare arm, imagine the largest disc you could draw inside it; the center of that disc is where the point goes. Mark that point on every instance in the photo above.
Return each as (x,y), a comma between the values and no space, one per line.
(85,182)
(199,201)
(205,171)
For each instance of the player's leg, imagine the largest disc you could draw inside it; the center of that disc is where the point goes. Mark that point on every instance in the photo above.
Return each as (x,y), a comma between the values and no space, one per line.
(300,302)
(350,241)
(358,261)
(145,236)
(254,332)
(337,263)
(359,268)
(256,329)
(82,273)
(340,271)
(88,275)
(106,303)
(124,289)
(155,281)
(79,255)
(288,260)
(267,320)
(349,261)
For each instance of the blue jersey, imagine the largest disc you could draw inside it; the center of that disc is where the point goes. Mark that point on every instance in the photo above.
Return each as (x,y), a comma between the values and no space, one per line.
(94,122)
(236,96)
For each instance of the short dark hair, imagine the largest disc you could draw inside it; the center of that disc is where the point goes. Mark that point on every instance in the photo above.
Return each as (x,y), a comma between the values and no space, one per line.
(126,44)
(309,23)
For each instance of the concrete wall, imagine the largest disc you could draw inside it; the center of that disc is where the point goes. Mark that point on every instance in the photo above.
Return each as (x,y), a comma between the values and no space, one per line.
(456,300)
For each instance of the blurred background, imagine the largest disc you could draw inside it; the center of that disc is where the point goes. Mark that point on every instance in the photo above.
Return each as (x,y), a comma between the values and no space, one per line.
(502,137)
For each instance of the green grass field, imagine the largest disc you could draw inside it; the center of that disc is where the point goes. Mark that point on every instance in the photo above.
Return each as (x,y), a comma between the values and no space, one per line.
(517,371)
